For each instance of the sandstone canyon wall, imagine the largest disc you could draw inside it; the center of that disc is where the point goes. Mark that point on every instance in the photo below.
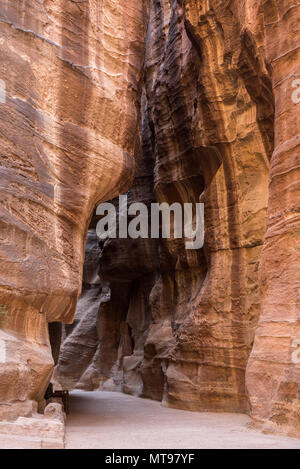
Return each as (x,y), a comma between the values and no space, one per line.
(218,119)
(215,329)
(273,373)
(69,138)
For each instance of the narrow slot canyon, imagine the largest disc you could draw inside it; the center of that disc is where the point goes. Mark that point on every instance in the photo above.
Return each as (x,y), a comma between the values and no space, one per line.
(142,341)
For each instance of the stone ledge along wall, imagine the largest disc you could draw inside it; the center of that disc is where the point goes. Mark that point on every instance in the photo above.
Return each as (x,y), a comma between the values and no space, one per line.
(215,329)
(69,138)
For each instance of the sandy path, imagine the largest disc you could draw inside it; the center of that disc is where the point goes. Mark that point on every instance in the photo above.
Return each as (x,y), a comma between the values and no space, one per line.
(117,421)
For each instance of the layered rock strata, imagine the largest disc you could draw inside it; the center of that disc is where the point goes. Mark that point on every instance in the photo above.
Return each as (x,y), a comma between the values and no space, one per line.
(215,329)
(69,138)
(273,373)
(220,118)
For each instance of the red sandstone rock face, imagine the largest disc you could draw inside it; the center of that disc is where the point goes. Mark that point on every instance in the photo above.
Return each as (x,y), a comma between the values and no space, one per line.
(214,329)
(206,120)
(69,138)
(218,99)
(116,311)
(273,373)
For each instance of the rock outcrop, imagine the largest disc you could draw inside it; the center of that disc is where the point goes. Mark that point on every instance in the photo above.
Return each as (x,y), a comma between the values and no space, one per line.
(69,138)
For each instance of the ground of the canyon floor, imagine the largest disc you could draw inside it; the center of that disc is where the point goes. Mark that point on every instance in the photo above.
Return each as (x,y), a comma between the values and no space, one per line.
(118,421)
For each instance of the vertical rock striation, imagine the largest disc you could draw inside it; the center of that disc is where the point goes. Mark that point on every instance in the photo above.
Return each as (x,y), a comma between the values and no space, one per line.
(208,103)
(273,374)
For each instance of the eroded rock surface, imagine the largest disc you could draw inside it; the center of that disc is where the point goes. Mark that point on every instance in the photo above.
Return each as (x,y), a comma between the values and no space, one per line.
(69,138)
(215,329)
(105,345)
(273,374)
(220,121)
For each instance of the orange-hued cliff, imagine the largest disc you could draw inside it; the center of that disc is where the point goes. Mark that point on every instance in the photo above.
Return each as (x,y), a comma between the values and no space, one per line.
(174,101)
